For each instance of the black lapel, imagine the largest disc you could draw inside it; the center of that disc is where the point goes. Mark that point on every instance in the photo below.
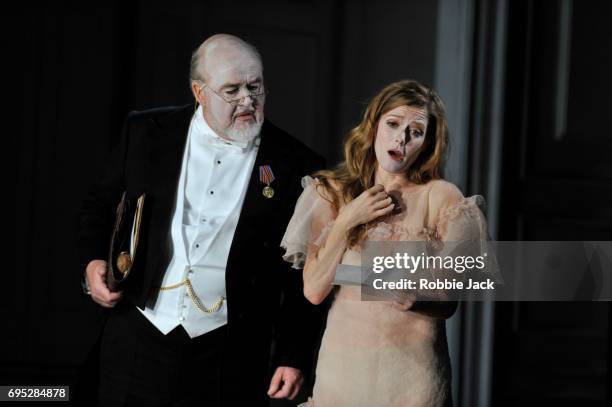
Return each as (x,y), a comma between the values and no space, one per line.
(163,136)
(166,147)
(258,212)
(166,151)
(256,207)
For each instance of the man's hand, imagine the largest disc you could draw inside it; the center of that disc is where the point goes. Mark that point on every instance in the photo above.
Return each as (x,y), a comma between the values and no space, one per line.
(95,273)
(286,382)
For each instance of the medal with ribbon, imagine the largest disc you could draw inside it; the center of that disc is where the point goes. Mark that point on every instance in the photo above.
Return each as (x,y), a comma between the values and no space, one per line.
(266,176)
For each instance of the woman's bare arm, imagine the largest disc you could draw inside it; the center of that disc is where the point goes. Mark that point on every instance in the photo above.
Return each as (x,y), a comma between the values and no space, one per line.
(320,267)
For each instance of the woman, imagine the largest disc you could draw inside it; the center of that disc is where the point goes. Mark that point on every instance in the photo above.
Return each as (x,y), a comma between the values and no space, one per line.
(389,187)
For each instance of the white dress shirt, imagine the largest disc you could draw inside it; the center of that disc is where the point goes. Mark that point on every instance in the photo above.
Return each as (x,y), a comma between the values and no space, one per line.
(213,182)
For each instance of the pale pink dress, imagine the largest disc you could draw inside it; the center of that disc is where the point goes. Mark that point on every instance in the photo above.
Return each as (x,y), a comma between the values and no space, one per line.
(373,354)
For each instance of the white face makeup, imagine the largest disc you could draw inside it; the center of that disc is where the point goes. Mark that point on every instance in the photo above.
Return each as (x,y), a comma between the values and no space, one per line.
(399,137)
(231,74)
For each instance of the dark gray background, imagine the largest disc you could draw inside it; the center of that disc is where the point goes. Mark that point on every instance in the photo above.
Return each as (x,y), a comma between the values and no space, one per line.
(501,66)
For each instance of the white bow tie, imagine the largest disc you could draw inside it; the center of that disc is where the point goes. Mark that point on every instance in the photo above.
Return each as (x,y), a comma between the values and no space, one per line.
(205,135)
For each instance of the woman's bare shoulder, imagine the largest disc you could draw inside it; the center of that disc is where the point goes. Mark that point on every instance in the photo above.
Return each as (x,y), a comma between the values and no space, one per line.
(443,193)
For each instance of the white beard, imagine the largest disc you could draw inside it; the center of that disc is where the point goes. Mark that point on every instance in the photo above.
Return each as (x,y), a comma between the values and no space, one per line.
(244,135)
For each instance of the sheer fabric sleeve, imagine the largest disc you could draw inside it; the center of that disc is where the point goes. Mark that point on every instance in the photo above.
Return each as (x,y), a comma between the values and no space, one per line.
(462,228)
(463,219)
(309,225)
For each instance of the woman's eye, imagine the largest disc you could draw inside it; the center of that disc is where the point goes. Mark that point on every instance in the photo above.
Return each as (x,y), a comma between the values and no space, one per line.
(392,124)
(231,91)
(416,133)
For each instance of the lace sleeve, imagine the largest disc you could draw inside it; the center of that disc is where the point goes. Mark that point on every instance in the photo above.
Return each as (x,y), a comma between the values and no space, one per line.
(463,229)
(463,220)
(309,225)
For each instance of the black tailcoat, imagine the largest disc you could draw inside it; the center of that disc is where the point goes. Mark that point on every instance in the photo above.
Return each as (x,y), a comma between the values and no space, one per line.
(265,298)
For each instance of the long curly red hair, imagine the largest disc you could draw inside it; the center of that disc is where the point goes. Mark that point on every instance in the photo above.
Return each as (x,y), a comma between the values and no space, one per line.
(356,172)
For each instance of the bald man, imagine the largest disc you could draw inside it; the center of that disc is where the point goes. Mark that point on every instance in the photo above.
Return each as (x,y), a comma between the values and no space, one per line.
(209,314)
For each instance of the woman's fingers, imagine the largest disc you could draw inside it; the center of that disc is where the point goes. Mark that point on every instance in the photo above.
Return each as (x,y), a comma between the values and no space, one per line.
(376,189)
(374,203)
(375,214)
(383,212)
(401,306)
(380,196)
(382,203)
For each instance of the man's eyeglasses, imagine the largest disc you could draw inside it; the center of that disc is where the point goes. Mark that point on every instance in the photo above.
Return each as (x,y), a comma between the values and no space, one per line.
(255,92)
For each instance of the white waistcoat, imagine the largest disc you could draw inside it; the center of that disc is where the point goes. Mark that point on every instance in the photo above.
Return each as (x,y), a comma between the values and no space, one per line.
(213,182)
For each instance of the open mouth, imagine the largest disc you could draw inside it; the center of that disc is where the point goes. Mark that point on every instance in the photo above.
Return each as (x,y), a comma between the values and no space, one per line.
(396,155)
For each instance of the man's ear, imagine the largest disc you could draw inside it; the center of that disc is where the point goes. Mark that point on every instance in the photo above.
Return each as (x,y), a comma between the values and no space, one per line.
(196,92)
